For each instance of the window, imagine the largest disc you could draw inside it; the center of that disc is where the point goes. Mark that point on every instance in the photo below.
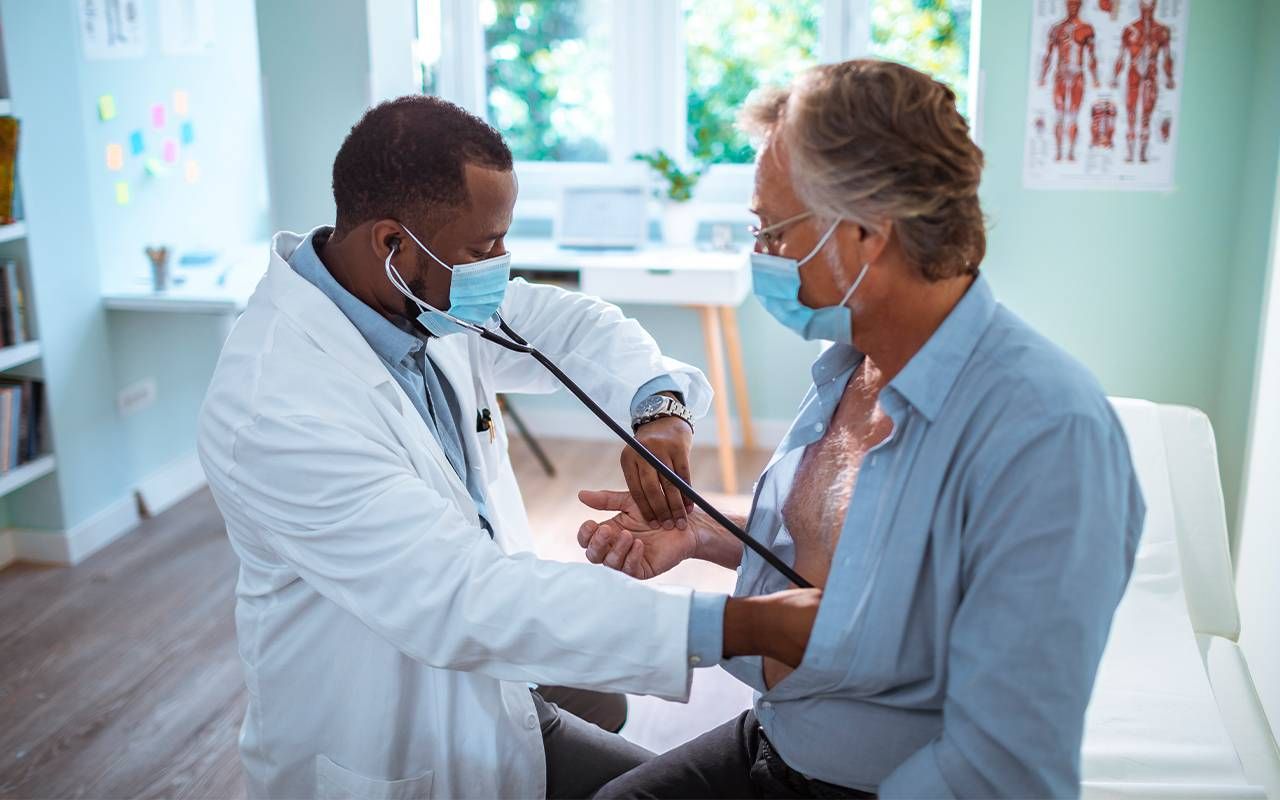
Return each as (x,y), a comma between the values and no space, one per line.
(731,48)
(548,77)
(578,87)
(930,35)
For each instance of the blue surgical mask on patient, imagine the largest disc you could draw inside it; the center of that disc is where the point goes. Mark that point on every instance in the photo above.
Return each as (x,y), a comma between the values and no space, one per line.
(776,282)
(475,291)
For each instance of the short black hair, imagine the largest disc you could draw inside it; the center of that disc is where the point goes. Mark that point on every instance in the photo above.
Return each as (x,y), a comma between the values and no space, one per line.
(407,157)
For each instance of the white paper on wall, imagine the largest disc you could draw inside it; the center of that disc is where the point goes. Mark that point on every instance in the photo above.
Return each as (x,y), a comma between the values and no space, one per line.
(112,29)
(1104,92)
(186,27)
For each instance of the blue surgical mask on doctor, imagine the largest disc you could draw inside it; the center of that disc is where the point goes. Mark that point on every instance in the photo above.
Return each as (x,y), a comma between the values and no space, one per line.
(475,291)
(776,282)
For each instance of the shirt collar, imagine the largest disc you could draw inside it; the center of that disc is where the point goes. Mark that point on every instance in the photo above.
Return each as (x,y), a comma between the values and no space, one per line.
(391,343)
(927,378)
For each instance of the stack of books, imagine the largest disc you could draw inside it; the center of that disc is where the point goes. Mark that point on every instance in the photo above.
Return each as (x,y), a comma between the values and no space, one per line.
(13,306)
(21,418)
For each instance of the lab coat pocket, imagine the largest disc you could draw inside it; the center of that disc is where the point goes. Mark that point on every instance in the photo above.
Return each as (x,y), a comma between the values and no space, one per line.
(336,783)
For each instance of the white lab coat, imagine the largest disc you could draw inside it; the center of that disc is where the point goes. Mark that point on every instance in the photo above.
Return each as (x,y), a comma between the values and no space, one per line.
(387,641)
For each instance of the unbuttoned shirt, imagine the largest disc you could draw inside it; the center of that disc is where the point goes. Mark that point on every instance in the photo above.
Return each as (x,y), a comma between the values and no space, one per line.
(986,545)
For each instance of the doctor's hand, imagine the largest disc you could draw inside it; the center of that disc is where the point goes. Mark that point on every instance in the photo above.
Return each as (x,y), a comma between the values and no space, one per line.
(628,543)
(774,625)
(659,502)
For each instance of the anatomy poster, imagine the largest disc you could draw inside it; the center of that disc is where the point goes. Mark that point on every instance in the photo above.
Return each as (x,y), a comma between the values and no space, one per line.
(1103,99)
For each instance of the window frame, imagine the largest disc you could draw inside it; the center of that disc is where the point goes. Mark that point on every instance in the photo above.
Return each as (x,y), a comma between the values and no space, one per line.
(649,69)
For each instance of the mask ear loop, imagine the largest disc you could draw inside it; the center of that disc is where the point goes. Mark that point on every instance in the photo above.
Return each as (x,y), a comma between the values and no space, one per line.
(424,248)
(856,282)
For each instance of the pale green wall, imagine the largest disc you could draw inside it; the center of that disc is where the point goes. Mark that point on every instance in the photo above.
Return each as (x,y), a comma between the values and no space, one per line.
(1248,279)
(1156,292)
(314,56)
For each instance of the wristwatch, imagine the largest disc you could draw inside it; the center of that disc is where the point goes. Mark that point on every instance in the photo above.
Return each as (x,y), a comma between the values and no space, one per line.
(659,406)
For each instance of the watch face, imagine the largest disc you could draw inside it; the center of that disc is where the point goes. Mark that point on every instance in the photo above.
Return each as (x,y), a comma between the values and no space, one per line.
(652,404)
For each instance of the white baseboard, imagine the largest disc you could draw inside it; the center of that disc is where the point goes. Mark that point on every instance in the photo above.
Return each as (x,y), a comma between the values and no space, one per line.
(579,424)
(175,481)
(78,543)
(153,495)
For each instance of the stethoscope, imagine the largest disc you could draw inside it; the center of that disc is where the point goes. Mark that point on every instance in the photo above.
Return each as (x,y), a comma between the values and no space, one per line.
(516,343)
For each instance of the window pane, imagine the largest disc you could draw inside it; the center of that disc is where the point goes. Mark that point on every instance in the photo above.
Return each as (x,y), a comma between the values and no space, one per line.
(733,46)
(426,48)
(930,35)
(548,71)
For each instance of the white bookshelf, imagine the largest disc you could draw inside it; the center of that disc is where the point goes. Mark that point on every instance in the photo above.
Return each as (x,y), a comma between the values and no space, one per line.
(18,477)
(14,231)
(18,355)
(13,238)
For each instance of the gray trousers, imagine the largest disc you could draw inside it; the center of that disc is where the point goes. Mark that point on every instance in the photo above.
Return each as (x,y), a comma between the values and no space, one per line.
(581,754)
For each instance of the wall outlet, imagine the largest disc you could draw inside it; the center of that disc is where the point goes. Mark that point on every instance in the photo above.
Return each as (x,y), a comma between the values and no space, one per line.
(136,396)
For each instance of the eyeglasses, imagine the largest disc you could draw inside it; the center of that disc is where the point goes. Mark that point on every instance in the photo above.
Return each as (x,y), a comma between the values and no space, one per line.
(770,237)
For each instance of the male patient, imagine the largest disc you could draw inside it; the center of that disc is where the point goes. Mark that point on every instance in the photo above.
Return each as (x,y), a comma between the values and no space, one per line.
(957,484)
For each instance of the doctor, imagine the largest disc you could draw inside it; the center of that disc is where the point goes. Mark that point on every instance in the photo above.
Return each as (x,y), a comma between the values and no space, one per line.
(389,613)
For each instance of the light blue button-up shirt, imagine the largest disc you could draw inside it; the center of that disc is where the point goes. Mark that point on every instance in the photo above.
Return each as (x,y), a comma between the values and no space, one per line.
(403,351)
(987,543)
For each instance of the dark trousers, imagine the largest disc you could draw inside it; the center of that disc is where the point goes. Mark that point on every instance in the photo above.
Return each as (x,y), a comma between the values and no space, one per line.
(734,760)
(581,755)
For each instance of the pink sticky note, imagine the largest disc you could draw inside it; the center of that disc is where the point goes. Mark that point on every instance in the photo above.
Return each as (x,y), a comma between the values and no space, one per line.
(157,115)
(170,150)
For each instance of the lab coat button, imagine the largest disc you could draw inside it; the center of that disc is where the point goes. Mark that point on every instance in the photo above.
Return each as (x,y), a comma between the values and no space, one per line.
(531,721)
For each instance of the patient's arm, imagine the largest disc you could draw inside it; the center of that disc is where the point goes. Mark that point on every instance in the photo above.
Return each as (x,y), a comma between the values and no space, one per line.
(628,543)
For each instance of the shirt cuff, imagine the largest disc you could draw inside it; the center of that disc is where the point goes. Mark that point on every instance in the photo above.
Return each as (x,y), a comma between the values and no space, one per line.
(706,629)
(662,383)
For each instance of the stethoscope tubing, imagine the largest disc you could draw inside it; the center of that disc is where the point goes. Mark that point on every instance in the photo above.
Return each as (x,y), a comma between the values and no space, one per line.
(518,344)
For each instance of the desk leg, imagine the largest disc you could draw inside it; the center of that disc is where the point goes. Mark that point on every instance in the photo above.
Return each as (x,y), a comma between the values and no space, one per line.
(729,321)
(714,339)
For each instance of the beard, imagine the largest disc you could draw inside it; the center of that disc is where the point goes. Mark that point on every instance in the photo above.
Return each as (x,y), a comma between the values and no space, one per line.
(417,285)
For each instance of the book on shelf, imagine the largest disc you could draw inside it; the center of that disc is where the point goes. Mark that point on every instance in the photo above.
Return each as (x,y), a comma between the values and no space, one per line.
(13,305)
(8,166)
(21,422)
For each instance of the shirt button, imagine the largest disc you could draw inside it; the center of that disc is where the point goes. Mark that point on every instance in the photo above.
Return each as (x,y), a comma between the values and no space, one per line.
(817,426)
(531,721)
(695,660)
(766,705)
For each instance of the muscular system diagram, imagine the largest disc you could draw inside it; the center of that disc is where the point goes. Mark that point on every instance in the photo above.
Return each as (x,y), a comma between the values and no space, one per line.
(1145,43)
(1072,42)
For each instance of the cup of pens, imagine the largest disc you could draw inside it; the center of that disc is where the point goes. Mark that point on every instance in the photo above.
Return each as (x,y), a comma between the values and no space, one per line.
(159,258)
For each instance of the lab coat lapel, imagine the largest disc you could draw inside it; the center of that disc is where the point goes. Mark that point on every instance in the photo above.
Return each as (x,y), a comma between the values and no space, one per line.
(333,333)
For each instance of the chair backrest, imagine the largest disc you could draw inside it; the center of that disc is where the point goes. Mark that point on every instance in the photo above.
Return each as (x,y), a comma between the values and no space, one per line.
(1176,459)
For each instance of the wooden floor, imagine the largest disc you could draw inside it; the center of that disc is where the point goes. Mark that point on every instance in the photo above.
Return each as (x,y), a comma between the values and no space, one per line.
(119,677)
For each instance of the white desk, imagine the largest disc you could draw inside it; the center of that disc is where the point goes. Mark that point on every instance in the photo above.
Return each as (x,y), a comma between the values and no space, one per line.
(221,288)
(714,283)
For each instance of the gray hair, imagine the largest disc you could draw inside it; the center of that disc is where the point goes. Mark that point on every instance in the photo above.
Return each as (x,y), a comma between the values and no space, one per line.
(878,142)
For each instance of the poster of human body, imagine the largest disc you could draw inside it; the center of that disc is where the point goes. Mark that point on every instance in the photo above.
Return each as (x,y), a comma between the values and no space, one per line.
(1104,95)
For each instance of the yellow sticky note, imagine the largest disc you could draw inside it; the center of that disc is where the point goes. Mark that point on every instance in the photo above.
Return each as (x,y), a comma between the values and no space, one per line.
(191,171)
(106,107)
(122,193)
(181,103)
(115,157)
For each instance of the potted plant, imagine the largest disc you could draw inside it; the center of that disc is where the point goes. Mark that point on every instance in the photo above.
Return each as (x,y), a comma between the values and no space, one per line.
(675,189)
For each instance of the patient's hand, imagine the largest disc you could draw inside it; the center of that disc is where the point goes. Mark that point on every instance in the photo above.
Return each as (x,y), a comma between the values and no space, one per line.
(628,543)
